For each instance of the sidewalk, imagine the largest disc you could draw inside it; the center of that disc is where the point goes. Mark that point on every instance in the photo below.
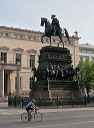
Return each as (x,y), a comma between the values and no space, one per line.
(5,110)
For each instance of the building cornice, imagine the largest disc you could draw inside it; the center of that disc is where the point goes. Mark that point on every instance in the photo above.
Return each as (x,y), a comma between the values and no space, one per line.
(20,30)
(83,46)
(29,31)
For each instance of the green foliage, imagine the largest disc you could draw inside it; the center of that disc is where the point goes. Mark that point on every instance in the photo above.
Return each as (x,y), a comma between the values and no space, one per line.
(85,76)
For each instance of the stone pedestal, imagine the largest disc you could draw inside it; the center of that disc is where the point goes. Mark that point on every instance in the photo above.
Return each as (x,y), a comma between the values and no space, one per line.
(54,56)
(51,89)
(62,85)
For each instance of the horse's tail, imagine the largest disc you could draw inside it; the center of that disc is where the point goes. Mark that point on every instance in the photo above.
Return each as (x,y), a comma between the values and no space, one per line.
(67,34)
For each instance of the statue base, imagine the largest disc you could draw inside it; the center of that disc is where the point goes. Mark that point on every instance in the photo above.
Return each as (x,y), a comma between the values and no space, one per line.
(54,56)
(51,89)
(55,74)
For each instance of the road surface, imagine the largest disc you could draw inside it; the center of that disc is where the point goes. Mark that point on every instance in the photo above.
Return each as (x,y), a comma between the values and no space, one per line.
(75,119)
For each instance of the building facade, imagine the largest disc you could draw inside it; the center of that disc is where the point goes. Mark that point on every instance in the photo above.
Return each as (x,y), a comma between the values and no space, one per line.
(86,51)
(19,50)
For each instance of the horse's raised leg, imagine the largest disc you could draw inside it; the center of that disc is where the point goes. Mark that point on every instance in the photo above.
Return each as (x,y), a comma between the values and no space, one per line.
(61,40)
(63,43)
(42,38)
(50,41)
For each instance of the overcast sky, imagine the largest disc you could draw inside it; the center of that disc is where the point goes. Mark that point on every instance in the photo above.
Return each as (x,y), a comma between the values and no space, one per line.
(75,15)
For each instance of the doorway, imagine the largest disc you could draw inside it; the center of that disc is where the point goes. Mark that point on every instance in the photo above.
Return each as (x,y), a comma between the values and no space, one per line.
(5,84)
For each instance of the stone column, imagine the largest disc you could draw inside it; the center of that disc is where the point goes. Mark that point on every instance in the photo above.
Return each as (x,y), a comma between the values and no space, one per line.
(18,83)
(1,82)
(10,85)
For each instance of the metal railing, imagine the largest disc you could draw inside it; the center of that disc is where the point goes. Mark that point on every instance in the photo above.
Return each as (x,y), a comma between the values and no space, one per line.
(52,103)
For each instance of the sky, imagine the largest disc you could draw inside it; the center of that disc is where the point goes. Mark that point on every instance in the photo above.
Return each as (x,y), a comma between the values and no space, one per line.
(74,15)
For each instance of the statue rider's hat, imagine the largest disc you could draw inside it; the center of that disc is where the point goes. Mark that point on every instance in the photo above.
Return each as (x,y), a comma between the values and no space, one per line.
(52,16)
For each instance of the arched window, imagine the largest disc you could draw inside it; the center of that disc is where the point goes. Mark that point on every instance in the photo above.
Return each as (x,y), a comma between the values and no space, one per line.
(15,36)
(21,36)
(0,34)
(29,37)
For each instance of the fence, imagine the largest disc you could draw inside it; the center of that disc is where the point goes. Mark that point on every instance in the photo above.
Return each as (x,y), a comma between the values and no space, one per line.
(49,102)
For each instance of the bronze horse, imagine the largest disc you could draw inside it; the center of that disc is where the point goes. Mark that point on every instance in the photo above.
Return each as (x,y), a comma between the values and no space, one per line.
(49,33)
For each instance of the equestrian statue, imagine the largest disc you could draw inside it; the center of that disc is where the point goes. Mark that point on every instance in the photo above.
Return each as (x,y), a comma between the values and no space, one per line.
(53,29)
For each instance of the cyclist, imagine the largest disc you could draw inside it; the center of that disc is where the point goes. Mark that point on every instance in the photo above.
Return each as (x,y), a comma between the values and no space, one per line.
(31,106)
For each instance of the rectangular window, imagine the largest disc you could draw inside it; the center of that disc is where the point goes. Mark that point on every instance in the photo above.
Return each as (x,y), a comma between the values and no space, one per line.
(86,57)
(6,34)
(81,58)
(93,59)
(32,61)
(31,82)
(3,57)
(18,58)
(34,38)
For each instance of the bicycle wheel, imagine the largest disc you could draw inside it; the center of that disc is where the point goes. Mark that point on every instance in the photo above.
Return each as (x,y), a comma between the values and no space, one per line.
(25,117)
(38,116)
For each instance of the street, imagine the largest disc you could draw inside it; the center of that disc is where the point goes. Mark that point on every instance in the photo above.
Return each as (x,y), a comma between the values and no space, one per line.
(76,119)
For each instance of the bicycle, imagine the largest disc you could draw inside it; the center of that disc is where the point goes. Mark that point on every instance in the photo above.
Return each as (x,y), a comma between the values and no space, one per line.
(25,117)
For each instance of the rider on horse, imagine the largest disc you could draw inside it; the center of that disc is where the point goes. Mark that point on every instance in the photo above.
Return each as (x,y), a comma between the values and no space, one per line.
(53,29)
(55,24)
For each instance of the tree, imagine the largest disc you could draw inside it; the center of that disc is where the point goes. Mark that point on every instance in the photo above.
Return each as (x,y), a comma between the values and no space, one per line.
(85,76)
